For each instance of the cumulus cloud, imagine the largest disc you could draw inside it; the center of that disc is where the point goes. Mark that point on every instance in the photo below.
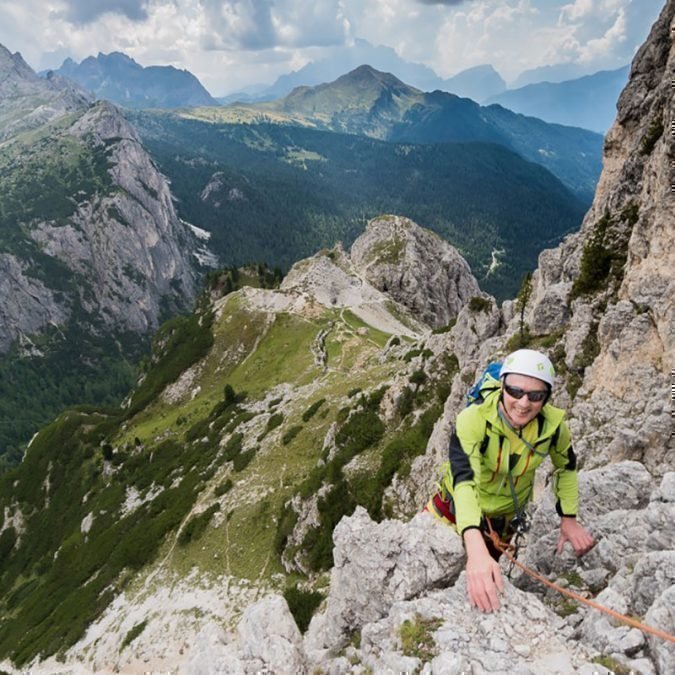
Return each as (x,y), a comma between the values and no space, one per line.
(231,43)
(86,11)
(442,2)
(602,33)
(263,24)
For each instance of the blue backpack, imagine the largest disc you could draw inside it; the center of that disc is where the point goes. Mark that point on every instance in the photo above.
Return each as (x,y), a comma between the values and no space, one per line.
(487,382)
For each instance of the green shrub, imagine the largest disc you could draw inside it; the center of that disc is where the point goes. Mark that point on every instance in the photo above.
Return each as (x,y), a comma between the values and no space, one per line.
(342,414)
(233,447)
(241,418)
(291,434)
(417,639)
(313,482)
(243,459)
(361,430)
(605,253)
(229,395)
(318,542)
(312,410)
(418,378)
(133,634)
(199,429)
(302,605)
(353,392)
(405,404)
(652,135)
(445,329)
(223,488)
(375,398)
(274,421)
(7,541)
(410,355)
(195,527)
(286,523)
(395,341)
(478,304)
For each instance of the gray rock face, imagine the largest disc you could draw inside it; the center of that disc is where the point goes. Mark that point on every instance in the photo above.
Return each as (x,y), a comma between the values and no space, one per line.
(633,306)
(267,640)
(415,267)
(378,564)
(631,568)
(333,281)
(523,637)
(268,633)
(27,304)
(28,101)
(129,254)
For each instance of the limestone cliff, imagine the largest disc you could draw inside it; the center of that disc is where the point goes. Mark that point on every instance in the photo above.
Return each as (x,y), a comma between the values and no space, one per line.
(90,224)
(415,267)
(611,287)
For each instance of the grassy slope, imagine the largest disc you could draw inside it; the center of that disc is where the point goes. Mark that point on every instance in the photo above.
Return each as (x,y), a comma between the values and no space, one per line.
(174,454)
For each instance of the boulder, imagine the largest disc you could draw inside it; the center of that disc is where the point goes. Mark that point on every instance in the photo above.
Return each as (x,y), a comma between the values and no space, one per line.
(377,564)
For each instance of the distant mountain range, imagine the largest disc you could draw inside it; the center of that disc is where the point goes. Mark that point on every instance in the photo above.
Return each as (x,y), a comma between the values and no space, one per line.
(118,78)
(478,83)
(273,184)
(375,104)
(560,72)
(588,102)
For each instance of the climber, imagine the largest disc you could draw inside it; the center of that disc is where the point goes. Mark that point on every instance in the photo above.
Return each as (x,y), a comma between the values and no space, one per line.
(495,448)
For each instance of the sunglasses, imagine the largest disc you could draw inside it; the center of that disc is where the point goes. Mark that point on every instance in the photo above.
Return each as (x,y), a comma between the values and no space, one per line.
(517,392)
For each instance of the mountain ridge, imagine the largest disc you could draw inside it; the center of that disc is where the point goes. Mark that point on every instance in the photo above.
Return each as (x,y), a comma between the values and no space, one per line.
(580,102)
(404,114)
(120,79)
(93,254)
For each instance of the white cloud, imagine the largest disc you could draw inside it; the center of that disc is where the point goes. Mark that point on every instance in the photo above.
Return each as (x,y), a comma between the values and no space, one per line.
(230,43)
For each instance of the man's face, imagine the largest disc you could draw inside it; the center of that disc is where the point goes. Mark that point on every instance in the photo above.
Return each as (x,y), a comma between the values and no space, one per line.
(521,410)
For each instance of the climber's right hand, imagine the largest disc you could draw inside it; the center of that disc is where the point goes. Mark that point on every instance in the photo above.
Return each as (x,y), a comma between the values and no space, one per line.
(484,579)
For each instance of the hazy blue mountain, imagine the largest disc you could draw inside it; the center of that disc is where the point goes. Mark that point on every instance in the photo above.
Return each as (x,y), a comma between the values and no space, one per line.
(557,73)
(348,58)
(478,83)
(369,102)
(589,102)
(118,78)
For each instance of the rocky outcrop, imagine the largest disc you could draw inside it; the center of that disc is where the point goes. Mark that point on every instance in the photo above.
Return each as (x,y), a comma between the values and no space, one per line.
(377,565)
(129,241)
(398,276)
(415,267)
(331,281)
(611,286)
(122,254)
(27,305)
(28,101)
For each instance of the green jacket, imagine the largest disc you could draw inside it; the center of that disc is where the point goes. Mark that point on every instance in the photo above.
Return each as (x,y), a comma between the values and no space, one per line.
(483,447)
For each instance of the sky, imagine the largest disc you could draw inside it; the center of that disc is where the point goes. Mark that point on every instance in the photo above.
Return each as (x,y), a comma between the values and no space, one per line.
(230,44)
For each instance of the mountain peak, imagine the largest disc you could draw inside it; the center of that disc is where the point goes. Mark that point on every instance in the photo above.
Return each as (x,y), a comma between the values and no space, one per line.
(364,90)
(14,63)
(118,78)
(366,75)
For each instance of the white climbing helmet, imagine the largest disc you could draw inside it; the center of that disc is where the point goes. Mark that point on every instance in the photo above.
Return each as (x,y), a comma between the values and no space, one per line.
(529,362)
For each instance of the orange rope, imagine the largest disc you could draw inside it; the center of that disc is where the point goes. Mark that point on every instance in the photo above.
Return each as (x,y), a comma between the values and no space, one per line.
(506,550)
